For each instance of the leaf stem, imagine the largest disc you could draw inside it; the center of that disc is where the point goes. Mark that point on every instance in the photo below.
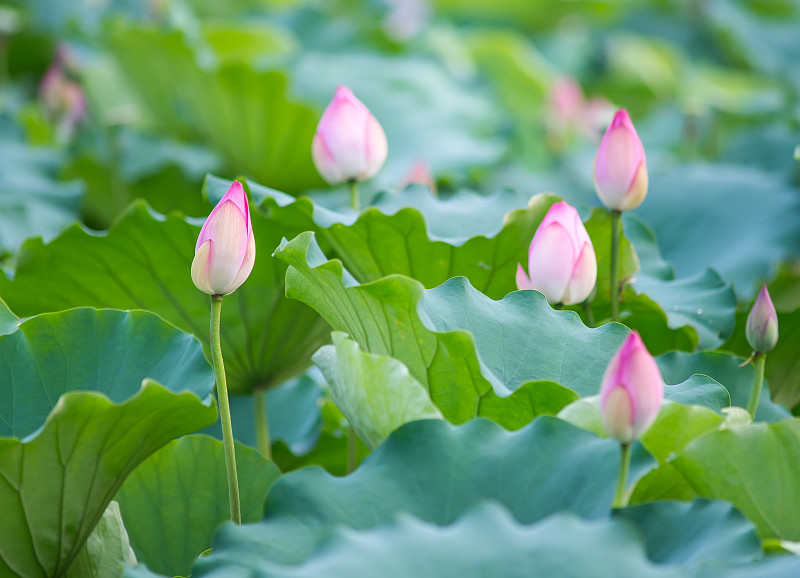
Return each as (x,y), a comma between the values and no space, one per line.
(224,409)
(352,449)
(354,194)
(615,234)
(261,423)
(587,308)
(620,501)
(759,361)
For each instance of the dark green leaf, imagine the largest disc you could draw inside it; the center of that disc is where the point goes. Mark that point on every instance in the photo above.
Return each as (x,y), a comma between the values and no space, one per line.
(144,262)
(435,471)
(67,467)
(174,501)
(724,368)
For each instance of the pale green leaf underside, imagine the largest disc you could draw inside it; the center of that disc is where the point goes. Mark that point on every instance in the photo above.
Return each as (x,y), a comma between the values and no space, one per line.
(374,392)
(107,551)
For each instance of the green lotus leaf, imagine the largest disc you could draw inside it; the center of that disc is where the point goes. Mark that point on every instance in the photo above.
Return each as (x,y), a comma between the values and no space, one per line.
(669,313)
(245,104)
(375,393)
(8,321)
(676,425)
(465,348)
(293,415)
(415,234)
(435,471)
(666,539)
(702,301)
(435,476)
(723,199)
(72,448)
(782,369)
(107,550)
(756,468)
(143,262)
(485,539)
(174,501)
(699,531)
(724,368)
(32,199)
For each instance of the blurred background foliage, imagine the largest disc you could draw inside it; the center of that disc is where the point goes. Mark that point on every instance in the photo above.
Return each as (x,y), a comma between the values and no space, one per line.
(486,94)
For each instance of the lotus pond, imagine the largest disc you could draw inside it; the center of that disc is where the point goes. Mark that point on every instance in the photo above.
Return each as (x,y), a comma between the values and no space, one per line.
(399,288)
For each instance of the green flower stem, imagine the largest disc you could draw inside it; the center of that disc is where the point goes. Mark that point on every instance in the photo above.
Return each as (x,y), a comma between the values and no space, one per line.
(587,308)
(620,501)
(261,423)
(352,449)
(224,410)
(759,360)
(354,194)
(615,233)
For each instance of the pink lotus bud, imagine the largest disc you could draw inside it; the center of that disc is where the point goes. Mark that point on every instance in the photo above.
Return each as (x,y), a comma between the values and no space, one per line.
(349,144)
(561,259)
(762,323)
(620,168)
(63,99)
(226,249)
(632,390)
(419,174)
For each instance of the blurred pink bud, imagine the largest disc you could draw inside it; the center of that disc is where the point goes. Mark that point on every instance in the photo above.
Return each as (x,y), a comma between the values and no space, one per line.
(620,168)
(226,249)
(349,144)
(561,259)
(63,99)
(762,323)
(406,18)
(631,392)
(565,102)
(419,174)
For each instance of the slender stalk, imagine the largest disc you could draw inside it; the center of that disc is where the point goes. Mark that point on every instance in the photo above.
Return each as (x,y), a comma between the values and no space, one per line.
(620,501)
(261,423)
(354,194)
(224,410)
(615,232)
(759,360)
(4,44)
(587,308)
(352,449)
